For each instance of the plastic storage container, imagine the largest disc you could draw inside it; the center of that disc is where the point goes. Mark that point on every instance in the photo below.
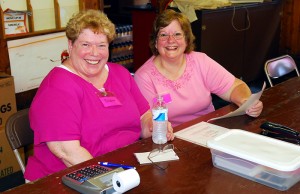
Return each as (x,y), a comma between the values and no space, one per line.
(259,158)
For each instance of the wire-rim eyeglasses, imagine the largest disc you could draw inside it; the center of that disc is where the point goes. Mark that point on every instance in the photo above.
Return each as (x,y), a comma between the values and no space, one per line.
(157,151)
(164,36)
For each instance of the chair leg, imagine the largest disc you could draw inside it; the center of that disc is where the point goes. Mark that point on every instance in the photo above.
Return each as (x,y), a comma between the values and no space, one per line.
(20,161)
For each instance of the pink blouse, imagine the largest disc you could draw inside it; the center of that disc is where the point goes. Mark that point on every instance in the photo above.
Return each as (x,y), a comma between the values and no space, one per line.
(191,93)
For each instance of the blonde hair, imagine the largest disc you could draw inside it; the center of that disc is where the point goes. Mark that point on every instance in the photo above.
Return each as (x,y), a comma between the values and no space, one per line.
(94,20)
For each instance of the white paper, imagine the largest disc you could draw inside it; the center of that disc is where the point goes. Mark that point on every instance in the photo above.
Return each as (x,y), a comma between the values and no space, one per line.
(242,109)
(125,180)
(168,155)
(200,133)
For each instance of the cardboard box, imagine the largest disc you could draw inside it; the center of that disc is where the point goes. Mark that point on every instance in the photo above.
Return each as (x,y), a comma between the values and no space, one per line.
(7,99)
(8,160)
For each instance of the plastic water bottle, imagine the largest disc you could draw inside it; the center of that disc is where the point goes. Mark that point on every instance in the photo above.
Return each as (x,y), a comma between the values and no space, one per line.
(160,121)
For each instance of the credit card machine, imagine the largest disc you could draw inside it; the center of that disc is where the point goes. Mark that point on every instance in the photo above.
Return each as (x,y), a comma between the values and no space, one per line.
(93,179)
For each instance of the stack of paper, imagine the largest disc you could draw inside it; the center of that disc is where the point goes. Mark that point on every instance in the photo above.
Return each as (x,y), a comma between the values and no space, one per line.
(201,133)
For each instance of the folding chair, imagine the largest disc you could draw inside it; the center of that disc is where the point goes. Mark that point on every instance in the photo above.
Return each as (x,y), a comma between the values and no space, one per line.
(18,133)
(279,67)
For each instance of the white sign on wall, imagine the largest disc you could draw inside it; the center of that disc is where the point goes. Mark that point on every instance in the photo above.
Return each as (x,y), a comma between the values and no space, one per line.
(32,58)
(14,22)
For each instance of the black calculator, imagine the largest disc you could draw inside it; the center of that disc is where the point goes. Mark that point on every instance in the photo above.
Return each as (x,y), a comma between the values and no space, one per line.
(93,179)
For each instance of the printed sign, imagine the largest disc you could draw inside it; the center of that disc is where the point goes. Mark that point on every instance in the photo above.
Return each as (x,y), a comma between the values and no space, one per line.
(14,22)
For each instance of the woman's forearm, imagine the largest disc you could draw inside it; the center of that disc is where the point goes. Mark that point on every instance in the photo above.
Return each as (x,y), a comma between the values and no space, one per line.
(70,152)
(238,93)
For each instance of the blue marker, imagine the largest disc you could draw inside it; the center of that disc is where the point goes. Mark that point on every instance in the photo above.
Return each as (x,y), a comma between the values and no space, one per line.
(107,164)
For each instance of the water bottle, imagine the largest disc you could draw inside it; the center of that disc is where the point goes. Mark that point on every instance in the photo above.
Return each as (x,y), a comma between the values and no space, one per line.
(160,121)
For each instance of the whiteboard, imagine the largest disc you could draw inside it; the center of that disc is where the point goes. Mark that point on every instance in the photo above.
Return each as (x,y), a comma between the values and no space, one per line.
(32,58)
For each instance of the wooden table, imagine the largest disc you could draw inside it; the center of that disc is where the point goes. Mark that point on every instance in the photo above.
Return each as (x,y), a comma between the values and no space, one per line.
(194,172)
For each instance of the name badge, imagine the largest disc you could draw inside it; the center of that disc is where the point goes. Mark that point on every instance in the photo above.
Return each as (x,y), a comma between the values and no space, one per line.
(108,99)
(167,98)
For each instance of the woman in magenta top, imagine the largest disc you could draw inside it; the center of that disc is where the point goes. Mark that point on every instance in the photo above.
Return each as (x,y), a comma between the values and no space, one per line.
(85,107)
(187,77)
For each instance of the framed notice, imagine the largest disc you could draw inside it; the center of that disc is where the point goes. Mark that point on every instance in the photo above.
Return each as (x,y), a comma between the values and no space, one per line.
(14,22)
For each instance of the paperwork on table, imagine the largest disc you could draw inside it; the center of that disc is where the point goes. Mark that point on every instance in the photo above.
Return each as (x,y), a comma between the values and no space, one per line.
(200,133)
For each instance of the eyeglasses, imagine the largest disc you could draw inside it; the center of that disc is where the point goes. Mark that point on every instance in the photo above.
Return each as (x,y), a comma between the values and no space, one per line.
(176,36)
(156,152)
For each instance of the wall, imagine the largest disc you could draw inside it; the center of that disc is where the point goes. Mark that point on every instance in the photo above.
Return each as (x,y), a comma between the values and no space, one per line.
(290,28)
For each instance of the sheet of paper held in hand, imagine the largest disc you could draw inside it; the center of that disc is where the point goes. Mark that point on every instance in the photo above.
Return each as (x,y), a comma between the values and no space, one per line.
(242,109)
(200,133)
(169,155)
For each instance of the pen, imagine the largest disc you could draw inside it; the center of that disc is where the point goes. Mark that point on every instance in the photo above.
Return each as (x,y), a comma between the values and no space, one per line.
(115,165)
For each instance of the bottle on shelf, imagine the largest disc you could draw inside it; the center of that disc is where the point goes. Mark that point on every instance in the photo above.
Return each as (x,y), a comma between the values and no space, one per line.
(160,121)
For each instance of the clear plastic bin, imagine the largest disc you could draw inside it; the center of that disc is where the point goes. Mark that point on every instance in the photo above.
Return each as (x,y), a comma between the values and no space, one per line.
(268,161)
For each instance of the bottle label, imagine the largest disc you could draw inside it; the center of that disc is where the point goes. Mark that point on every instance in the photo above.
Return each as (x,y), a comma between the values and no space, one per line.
(160,114)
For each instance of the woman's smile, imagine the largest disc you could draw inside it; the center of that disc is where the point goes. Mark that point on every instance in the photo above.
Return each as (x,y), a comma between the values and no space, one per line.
(92,62)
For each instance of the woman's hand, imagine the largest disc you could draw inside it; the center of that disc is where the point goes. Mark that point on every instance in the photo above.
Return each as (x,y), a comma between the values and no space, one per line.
(239,93)
(147,126)
(255,109)
(170,134)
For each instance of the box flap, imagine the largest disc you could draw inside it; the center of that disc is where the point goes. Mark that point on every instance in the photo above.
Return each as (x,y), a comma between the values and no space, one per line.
(257,148)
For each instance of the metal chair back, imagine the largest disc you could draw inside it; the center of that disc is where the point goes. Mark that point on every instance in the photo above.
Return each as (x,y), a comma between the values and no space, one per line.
(279,67)
(19,133)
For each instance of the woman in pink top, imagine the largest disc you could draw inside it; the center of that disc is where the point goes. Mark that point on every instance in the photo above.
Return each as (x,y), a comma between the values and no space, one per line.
(85,107)
(188,77)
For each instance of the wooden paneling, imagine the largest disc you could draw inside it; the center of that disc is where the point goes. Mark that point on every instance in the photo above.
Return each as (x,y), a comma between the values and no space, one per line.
(141,36)
(160,5)
(4,60)
(247,37)
(290,27)
(91,4)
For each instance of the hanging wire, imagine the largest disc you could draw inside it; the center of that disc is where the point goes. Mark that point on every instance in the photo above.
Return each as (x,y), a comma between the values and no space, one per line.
(232,19)
(248,20)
